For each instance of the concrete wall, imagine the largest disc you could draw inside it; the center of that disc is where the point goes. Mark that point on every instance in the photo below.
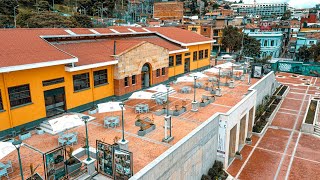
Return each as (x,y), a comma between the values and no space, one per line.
(265,86)
(190,158)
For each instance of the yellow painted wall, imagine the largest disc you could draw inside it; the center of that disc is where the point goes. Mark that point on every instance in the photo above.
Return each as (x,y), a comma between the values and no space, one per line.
(176,70)
(34,77)
(195,26)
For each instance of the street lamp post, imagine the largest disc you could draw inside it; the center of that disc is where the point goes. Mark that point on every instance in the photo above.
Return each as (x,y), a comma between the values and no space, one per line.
(167,119)
(218,90)
(194,102)
(17,145)
(85,119)
(123,143)
(14,15)
(122,106)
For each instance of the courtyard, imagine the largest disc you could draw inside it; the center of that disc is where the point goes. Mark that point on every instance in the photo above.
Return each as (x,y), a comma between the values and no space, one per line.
(283,151)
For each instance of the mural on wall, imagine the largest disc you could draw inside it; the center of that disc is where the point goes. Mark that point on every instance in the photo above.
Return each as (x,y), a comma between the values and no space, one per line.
(285,67)
(221,138)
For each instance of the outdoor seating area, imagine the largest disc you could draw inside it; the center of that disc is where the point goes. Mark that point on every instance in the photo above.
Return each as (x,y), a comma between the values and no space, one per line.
(185,89)
(111,121)
(68,138)
(5,169)
(142,108)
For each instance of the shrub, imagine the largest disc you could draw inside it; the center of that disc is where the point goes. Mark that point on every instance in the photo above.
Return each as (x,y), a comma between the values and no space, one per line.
(205,177)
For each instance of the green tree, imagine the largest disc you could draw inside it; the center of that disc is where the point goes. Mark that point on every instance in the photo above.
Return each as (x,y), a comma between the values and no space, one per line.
(251,46)
(231,39)
(304,53)
(7,12)
(49,20)
(43,6)
(22,18)
(215,6)
(80,20)
(315,52)
(286,15)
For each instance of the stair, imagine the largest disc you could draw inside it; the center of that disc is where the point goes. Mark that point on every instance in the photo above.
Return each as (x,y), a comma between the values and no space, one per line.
(47,127)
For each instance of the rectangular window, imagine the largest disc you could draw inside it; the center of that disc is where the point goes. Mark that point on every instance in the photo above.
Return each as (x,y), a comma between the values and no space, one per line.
(133,79)
(163,71)
(1,103)
(53,81)
(171,61)
(206,55)
(178,59)
(126,81)
(195,56)
(187,54)
(100,77)
(158,72)
(19,95)
(201,54)
(81,81)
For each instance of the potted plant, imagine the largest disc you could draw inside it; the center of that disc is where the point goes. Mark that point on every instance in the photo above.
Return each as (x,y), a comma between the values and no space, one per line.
(176,111)
(141,130)
(24,134)
(238,155)
(39,130)
(249,140)
(138,120)
(115,142)
(93,110)
(73,164)
(34,175)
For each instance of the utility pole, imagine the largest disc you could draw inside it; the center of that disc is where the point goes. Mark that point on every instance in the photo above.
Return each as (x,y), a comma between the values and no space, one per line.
(14,14)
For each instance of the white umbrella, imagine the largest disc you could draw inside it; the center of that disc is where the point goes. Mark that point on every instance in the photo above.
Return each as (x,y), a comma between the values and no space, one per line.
(198,75)
(227,65)
(5,149)
(65,122)
(141,95)
(185,79)
(160,88)
(212,70)
(226,56)
(109,107)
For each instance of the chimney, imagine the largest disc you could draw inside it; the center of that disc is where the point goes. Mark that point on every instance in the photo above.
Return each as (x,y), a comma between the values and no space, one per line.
(114,47)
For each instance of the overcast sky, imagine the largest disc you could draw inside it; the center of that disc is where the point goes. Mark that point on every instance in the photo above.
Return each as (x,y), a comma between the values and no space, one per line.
(292,3)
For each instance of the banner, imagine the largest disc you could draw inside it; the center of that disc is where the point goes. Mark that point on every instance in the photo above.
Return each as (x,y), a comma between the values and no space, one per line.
(54,164)
(221,139)
(105,158)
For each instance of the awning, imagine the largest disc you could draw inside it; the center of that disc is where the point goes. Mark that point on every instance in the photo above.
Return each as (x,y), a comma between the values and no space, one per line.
(141,95)
(109,107)
(5,149)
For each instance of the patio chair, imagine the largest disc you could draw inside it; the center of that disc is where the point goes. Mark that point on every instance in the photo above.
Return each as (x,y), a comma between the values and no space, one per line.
(9,165)
(117,122)
(73,140)
(61,141)
(159,101)
(138,109)
(4,173)
(106,122)
(145,109)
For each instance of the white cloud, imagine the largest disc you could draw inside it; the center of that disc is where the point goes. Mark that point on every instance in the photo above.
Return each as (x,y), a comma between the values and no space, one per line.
(292,3)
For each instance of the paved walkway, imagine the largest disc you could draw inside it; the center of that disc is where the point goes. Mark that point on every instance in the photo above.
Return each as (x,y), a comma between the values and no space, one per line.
(283,152)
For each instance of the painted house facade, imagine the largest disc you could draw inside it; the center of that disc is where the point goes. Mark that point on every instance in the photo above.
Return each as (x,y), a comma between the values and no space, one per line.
(46,72)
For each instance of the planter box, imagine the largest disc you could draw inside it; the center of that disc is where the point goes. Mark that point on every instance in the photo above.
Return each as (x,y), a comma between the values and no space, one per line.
(160,112)
(24,136)
(249,142)
(146,131)
(238,156)
(306,126)
(36,176)
(93,111)
(39,131)
(179,112)
(262,131)
(74,168)
(9,140)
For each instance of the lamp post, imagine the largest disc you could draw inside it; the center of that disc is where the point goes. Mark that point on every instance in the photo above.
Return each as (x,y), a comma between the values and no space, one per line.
(122,106)
(14,15)
(17,145)
(123,144)
(218,90)
(85,120)
(167,119)
(194,102)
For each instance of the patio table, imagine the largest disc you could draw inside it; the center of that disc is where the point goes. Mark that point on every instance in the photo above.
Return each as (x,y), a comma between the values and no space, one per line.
(112,120)
(2,165)
(186,89)
(143,107)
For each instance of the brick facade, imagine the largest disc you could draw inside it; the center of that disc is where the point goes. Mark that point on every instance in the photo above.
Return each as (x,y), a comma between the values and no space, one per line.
(168,10)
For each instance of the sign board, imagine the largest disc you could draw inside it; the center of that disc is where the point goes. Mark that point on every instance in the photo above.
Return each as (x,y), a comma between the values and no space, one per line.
(54,163)
(257,71)
(105,158)
(123,164)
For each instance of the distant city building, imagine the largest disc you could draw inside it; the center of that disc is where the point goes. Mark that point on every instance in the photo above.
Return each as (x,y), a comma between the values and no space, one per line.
(263,9)
(271,43)
(168,10)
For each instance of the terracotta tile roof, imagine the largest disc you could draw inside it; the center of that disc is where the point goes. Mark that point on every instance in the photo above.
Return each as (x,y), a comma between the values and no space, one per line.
(251,26)
(103,30)
(24,46)
(98,51)
(181,35)
(81,31)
